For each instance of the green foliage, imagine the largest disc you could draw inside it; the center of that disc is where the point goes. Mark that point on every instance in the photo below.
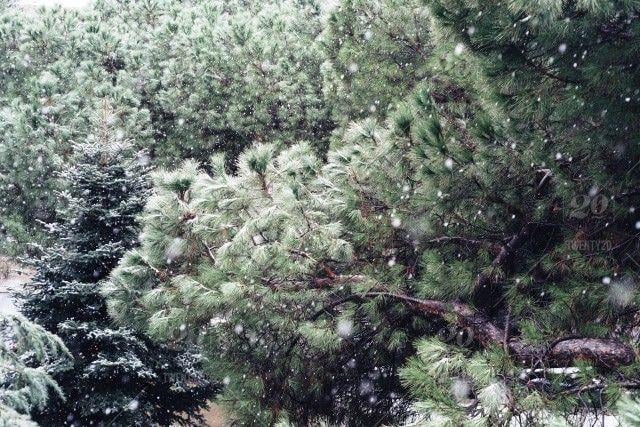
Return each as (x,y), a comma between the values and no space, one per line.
(29,355)
(486,194)
(55,74)
(376,52)
(127,377)
(629,412)
(184,79)
(223,75)
(470,196)
(271,218)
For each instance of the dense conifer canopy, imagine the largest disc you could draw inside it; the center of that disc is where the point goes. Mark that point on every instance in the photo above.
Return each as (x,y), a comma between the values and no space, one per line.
(418,212)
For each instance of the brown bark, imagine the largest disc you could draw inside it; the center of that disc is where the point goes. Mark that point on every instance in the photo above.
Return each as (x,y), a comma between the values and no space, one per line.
(601,352)
(507,250)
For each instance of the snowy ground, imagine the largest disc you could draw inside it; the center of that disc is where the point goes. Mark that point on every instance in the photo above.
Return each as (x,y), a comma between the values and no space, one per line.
(16,279)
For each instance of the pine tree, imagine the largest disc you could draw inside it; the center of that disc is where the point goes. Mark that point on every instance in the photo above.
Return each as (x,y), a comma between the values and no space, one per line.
(27,124)
(221,75)
(563,81)
(375,54)
(55,64)
(119,377)
(265,233)
(482,242)
(28,356)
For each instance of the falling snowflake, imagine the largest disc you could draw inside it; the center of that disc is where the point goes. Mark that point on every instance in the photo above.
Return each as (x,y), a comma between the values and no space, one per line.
(621,292)
(448,163)
(344,328)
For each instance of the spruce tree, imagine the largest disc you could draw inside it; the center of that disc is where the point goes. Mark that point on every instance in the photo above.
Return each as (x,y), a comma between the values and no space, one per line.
(119,377)
(482,241)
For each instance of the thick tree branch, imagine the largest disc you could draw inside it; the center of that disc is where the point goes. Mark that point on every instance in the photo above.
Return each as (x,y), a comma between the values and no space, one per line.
(607,353)
(505,253)
(515,242)
(602,385)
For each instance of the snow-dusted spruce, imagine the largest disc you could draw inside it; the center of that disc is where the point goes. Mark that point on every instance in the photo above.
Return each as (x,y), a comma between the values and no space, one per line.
(119,377)
(28,356)
(495,201)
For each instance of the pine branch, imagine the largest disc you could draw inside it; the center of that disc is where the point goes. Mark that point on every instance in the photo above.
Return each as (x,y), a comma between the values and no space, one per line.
(505,253)
(322,282)
(545,178)
(626,194)
(608,353)
(602,385)
(443,239)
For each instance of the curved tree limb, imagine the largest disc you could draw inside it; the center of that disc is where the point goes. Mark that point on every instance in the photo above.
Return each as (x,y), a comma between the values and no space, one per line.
(601,352)
(505,253)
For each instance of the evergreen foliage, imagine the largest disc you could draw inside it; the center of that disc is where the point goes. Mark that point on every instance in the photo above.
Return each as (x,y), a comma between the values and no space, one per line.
(271,227)
(629,412)
(28,356)
(119,377)
(376,53)
(464,253)
(222,75)
(55,69)
(495,200)
(186,79)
